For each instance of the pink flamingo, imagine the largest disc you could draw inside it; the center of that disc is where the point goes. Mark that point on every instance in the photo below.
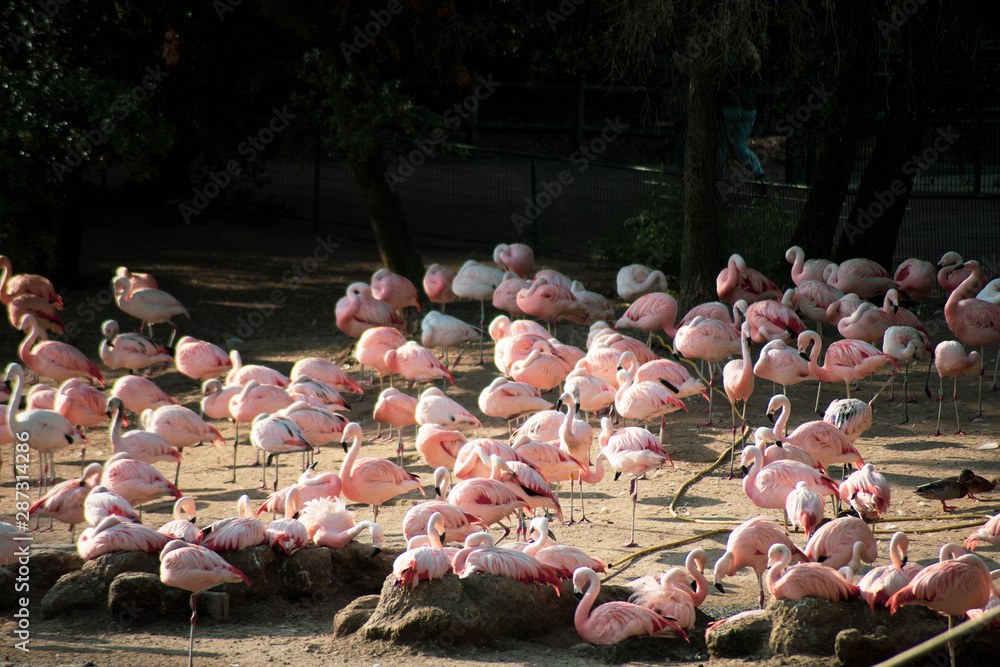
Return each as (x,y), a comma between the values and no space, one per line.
(457,523)
(802,269)
(150,306)
(708,340)
(417,364)
(81,404)
(843,307)
(778,452)
(954,272)
(135,481)
(613,622)
(950,360)
(747,547)
(549,302)
(195,569)
(64,501)
(473,458)
(372,347)
(973,322)
(439,446)
(487,499)
(989,533)
(477,281)
(643,401)
(503,327)
(860,276)
(595,394)
(835,544)
(768,486)
(673,372)
(234,533)
(633,451)
(47,430)
(540,370)
(276,435)
(316,393)
(823,440)
(480,555)
(598,308)
(636,280)
(132,351)
(437,285)
(901,316)
(372,481)
(915,277)
(13,285)
(112,533)
(505,295)
(255,399)
(782,364)
(736,282)
(41,309)
(139,394)
(805,579)
(846,360)
(181,528)
(330,524)
(851,415)
(650,312)
(141,445)
(358,311)
(517,348)
(554,462)
(180,427)
(668,595)
(526,481)
(425,562)
(867,324)
(737,380)
(310,485)
(54,359)
(325,371)
(867,491)
(396,290)
(138,279)
(102,502)
(515,257)
(804,508)
(439,330)
(511,400)
(395,409)
(881,583)
(199,359)
(770,320)
(991,292)
(716,310)
(908,345)
(40,397)
(812,298)
(563,557)
(436,408)
(288,534)
(240,374)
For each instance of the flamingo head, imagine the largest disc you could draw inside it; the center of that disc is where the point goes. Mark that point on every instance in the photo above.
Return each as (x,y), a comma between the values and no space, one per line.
(110,328)
(792,253)
(14,370)
(351,431)
(950,258)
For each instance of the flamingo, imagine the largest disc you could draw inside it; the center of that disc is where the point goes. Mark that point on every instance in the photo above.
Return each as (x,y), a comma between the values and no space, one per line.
(47,430)
(132,351)
(805,579)
(673,372)
(215,399)
(457,523)
(477,281)
(437,285)
(802,269)
(470,461)
(511,400)
(859,276)
(781,364)
(325,371)
(180,427)
(195,569)
(973,322)
(141,445)
(199,359)
(54,359)
(288,534)
(990,533)
(255,399)
(598,308)
(396,290)
(768,486)
(777,452)
(613,622)
(242,374)
(771,320)
(846,360)
(358,311)
(954,272)
(812,298)
(13,285)
(670,596)
(439,446)
(487,499)
(564,557)
(843,307)
(372,347)
(555,464)
(515,257)
(81,404)
(804,508)
(835,544)
(417,364)
(276,435)
(635,280)
(138,279)
(310,485)
(991,292)
(395,409)
(736,282)
(135,481)
(480,555)
(150,306)
(371,481)
(540,370)
(901,316)
(821,439)
(880,583)
(950,360)
(502,327)
(867,324)
(64,501)
(549,302)
(181,528)
(737,380)
(708,340)
(139,394)
(907,345)
(426,562)
(731,314)
(41,309)
(436,408)
(526,482)
(505,295)
(517,348)
(747,547)
(650,312)
(594,393)
(112,533)
(40,397)
(867,491)
(643,401)
(851,415)
(440,330)
(102,502)
(316,393)
(915,277)
(634,451)
(234,533)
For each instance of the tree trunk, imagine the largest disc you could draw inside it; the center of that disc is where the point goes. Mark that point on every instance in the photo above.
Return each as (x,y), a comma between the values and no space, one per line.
(700,245)
(873,225)
(388,221)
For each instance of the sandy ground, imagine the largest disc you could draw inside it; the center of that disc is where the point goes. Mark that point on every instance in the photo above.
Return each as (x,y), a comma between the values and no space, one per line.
(225,272)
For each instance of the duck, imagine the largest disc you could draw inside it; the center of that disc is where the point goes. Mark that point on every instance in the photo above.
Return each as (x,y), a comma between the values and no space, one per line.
(949,488)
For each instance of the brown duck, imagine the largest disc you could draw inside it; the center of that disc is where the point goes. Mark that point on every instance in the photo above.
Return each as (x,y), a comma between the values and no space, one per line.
(951,488)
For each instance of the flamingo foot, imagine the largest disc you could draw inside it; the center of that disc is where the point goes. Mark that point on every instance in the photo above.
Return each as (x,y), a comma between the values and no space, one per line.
(706,424)
(976,417)
(991,388)
(891,399)
(936,435)
(629,545)
(960,432)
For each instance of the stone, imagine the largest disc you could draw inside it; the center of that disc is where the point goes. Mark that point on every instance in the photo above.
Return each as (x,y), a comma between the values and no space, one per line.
(305,573)
(350,619)
(259,564)
(357,569)
(82,589)
(108,566)
(742,635)
(47,565)
(135,597)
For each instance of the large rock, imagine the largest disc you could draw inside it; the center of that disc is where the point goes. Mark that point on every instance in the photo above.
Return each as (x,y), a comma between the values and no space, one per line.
(82,589)
(305,573)
(350,619)
(358,569)
(740,636)
(135,597)
(109,566)
(47,565)
(259,564)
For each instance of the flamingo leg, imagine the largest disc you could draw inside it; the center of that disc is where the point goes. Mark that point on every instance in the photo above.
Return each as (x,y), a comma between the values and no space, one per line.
(819,388)
(711,395)
(194,619)
(940,404)
(996,367)
(732,450)
(482,327)
(954,399)
(634,484)
(177,473)
(760,584)
(906,392)
(399,446)
(583,509)
(982,371)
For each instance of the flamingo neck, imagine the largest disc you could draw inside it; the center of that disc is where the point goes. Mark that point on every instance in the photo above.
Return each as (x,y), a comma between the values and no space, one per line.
(896,553)
(722,567)
(348,464)
(623,387)
(116,436)
(775,571)
(536,544)
(595,476)
(5,296)
(14,402)
(782,421)
(747,371)
(24,349)
(800,260)
(820,372)
(750,481)
(855,563)
(701,584)
(582,614)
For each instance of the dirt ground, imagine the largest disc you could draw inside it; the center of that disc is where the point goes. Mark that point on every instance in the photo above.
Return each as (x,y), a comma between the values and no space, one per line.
(260,290)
